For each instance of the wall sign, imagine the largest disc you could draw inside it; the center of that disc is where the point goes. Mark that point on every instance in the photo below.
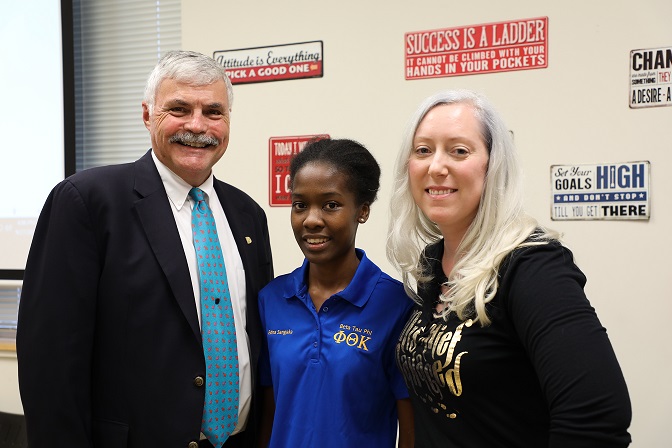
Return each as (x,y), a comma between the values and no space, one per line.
(651,78)
(485,48)
(274,63)
(601,192)
(280,152)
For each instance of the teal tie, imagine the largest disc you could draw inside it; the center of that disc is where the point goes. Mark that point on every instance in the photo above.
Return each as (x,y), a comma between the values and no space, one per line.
(220,412)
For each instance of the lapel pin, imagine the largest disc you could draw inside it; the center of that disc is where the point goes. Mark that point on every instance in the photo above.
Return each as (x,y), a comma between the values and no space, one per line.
(248,239)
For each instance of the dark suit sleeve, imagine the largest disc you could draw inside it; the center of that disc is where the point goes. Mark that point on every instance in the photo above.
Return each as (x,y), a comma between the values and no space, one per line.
(268,273)
(263,275)
(56,323)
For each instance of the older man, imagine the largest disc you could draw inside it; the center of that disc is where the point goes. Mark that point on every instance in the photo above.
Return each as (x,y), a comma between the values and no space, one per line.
(137,326)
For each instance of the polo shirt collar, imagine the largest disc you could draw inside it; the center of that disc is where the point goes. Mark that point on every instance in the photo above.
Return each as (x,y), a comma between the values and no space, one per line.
(357,292)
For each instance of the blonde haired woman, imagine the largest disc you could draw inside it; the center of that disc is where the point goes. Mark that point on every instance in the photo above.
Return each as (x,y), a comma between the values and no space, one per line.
(503,348)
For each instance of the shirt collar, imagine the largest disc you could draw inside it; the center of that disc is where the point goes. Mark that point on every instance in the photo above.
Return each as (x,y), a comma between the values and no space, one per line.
(176,188)
(357,292)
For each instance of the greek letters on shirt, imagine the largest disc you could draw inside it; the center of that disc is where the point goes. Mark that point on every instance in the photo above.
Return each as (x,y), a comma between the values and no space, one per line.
(349,335)
(353,336)
(429,359)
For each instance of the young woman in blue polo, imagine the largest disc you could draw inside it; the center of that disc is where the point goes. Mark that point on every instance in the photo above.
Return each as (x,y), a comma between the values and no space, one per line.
(331,326)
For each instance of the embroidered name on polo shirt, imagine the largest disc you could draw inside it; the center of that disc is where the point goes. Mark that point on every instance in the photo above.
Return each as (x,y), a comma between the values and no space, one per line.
(281,332)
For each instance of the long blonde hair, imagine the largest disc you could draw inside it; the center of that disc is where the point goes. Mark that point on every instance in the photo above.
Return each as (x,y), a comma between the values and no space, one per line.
(499,227)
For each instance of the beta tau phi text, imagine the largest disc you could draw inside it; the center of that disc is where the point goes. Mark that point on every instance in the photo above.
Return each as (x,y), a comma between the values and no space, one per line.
(353,336)
(606,191)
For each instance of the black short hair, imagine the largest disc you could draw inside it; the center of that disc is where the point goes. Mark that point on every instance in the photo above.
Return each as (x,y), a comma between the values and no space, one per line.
(348,157)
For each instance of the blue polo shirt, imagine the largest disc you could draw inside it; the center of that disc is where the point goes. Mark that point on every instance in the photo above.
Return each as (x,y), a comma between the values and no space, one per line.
(333,372)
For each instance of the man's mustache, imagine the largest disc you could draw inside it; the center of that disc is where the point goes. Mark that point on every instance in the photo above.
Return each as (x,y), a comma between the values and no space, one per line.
(191,139)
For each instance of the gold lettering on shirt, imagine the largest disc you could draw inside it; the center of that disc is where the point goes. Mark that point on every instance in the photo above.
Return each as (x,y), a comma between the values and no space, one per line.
(429,357)
(356,337)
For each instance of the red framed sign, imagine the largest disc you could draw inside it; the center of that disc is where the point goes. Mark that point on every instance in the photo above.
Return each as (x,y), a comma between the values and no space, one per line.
(486,48)
(280,152)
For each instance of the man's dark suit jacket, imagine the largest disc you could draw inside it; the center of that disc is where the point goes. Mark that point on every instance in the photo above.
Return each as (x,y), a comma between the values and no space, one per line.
(108,343)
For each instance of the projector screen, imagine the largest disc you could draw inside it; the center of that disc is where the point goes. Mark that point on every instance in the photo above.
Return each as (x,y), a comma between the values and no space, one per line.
(32,122)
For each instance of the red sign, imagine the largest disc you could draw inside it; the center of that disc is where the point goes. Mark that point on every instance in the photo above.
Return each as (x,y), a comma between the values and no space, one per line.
(485,48)
(274,63)
(280,151)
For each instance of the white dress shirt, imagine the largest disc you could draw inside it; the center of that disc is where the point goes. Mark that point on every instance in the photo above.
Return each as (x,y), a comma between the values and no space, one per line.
(178,194)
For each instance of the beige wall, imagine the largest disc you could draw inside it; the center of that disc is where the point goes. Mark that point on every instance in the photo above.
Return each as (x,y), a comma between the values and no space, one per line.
(573,112)
(9,382)
(9,389)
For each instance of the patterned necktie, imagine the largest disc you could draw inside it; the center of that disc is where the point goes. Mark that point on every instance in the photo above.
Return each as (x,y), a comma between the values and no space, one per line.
(220,413)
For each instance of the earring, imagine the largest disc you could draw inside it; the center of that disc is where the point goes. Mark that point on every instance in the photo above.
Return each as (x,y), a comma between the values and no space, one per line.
(362,220)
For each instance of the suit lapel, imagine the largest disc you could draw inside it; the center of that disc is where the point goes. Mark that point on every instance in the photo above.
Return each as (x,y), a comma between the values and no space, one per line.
(241,218)
(240,221)
(156,217)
